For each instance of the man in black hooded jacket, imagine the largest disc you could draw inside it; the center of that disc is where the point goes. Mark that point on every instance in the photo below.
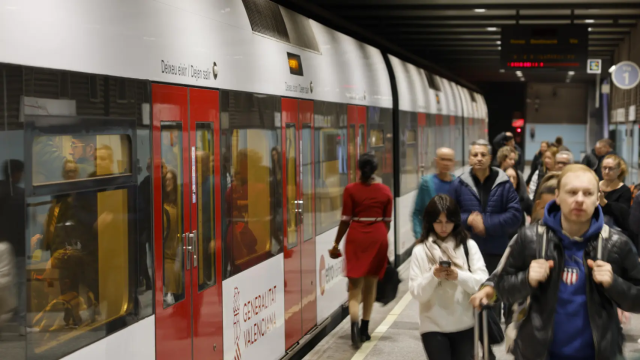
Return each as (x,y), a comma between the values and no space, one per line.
(594,159)
(575,273)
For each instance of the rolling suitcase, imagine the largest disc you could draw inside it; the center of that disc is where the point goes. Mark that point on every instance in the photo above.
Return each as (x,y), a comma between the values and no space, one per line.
(476,334)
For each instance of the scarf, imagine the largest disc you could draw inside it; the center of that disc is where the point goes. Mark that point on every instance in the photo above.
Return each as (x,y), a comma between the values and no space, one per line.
(438,250)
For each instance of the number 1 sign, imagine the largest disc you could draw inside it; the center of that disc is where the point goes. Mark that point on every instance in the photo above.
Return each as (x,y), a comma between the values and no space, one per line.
(626,75)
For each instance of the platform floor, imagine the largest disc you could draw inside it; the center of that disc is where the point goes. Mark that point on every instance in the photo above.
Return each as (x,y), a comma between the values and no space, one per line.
(396,334)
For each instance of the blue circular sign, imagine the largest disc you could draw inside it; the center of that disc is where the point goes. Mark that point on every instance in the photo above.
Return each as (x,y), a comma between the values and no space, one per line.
(626,75)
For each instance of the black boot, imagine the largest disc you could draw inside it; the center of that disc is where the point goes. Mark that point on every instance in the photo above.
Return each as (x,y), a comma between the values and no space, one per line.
(364,331)
(355,335)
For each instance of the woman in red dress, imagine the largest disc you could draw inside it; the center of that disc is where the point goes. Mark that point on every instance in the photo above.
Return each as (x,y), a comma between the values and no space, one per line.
(366,213)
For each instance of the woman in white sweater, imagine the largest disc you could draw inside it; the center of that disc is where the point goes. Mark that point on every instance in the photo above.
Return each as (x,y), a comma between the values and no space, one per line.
(441,281)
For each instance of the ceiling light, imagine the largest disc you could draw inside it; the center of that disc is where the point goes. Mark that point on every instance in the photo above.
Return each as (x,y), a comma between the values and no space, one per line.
(492,28)
(501,70)
(522,79)
(571,73)
(498,42)
(499,47)
(612,69)
(479,10)
(589,21)
(590,29)
(519,73)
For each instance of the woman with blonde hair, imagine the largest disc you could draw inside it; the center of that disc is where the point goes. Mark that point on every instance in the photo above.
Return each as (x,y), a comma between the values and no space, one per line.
(615,196)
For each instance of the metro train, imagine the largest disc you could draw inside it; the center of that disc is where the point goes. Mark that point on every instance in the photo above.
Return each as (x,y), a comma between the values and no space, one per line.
(176,172)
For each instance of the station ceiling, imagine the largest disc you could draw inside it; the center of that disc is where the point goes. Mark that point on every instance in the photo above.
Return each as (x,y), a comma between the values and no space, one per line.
(463,36)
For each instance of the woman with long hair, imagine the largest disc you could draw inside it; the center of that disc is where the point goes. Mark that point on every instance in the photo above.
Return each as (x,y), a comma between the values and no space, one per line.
(615,196)
(446,269)
(366,213)
(548,165)
(172,244)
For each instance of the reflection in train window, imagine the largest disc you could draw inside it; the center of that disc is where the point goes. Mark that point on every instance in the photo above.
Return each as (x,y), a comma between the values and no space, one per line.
(92,156)
(307,182)
(251,179)
(80,265)
(330,162)
(408,152)
(376,137)
(205,246)
(379,123)
(172,222)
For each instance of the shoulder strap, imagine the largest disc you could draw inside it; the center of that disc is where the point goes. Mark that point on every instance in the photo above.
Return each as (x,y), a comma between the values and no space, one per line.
(541,234)
(466,254)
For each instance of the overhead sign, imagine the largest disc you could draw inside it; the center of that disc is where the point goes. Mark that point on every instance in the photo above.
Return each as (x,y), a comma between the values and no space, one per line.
(594,66)
(560,47)
(626,75)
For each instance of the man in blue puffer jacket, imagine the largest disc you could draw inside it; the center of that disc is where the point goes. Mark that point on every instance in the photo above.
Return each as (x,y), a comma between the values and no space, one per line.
(488,204)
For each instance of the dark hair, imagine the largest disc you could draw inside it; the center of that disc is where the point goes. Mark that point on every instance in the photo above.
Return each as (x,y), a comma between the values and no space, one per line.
(559,141)
(443,204)
(368,164)
(12,166)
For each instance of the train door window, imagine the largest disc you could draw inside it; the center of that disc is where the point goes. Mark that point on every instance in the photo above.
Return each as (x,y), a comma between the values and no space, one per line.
(379,125)
(172,222)
(408,152)
(292,186)
(205,242)
(307,181)
(362,145)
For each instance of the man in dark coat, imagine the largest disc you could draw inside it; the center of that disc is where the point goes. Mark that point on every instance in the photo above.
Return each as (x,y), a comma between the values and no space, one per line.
(594,159)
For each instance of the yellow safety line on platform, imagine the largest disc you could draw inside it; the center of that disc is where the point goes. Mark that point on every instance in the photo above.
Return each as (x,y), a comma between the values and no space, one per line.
(390,319)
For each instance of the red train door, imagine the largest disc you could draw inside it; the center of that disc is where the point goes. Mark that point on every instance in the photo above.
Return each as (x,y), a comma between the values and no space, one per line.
(299,263)
(357,135)
(186,223)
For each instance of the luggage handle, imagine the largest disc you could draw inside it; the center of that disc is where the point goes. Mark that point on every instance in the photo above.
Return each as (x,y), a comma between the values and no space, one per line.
(485,333)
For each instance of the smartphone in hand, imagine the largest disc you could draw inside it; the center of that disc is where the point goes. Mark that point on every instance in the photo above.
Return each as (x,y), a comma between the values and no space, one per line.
(445,263)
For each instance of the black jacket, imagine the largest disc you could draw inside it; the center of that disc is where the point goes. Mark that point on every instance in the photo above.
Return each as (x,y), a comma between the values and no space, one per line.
(499,142)
(534,335)
(535,164)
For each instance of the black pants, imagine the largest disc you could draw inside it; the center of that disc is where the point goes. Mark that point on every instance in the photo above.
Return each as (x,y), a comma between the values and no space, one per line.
(449,346)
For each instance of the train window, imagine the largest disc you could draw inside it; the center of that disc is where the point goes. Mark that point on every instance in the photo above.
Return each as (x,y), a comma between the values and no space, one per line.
(379,123)
(292,186)
(376,137)
(472,95)
(251,180)
(408,152)
(79,156)
(82,246)
(206,206)
(330,162)
(172,222)
(307,182)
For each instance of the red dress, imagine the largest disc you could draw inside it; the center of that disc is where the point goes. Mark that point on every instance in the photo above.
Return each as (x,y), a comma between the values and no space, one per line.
(368,206)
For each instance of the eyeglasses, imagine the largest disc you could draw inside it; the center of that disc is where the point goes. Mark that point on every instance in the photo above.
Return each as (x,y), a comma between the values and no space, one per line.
(76,145)
(609,168)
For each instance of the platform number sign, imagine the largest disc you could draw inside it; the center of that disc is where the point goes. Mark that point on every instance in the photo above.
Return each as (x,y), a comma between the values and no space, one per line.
(594,66)
(626,75)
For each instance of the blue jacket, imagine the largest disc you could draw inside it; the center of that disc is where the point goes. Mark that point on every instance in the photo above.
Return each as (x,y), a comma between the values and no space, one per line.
(502,216)
(426,192)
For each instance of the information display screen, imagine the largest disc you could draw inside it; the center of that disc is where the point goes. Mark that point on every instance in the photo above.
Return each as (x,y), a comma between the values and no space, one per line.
(560,47)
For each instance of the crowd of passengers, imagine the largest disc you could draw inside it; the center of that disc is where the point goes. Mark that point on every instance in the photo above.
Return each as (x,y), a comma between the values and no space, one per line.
(555,254)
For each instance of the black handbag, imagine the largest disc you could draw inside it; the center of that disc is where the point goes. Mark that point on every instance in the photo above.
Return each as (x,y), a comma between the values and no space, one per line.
(388,285)
(496,335)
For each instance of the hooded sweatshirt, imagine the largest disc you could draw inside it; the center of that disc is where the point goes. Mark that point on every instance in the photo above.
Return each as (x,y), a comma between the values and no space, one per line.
(572,334)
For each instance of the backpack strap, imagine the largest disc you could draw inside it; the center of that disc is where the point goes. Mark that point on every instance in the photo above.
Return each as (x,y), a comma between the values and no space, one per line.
(466,254)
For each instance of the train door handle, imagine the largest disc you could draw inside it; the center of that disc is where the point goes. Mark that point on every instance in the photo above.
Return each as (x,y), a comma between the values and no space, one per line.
(194,247)
(187,249)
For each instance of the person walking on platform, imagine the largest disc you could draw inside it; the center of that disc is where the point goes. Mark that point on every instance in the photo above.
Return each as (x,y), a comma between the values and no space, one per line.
(432,185)
(366,213)
(506,139)
(488,203)
(446,269)
(537,160)
(563,158)
(548,164)
(615,196)
(594,159)
(573,273)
